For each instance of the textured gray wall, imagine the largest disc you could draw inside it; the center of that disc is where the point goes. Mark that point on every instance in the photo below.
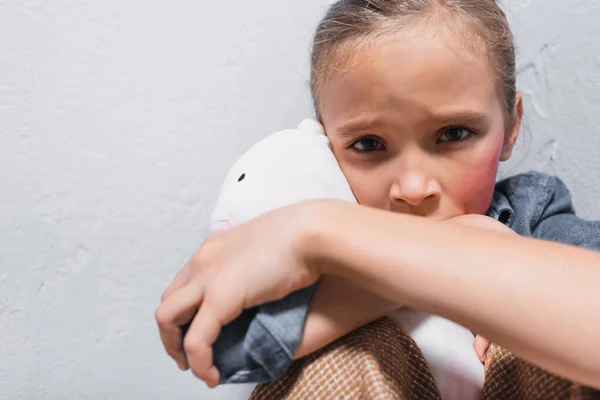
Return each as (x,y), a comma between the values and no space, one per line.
(118,120)
(558,46)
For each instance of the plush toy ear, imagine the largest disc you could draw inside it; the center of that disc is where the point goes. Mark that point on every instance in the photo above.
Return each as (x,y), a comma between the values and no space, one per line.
(310,126)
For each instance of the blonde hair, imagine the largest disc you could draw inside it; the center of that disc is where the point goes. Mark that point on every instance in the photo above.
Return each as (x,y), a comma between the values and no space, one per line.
(350,24)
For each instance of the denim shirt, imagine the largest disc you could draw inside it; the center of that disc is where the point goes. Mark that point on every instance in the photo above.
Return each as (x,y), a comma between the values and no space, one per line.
(259,345)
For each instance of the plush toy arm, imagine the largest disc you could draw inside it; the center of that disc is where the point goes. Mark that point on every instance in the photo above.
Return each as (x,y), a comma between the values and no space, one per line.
(337,308)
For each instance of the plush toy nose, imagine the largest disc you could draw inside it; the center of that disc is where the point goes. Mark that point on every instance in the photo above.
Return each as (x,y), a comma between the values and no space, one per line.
(220,226)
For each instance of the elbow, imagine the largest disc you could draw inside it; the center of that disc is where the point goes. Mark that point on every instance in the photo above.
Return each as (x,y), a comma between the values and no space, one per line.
(592,378)
(589,369)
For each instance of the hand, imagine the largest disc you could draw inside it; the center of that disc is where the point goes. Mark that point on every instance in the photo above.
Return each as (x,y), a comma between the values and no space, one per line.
(260,261)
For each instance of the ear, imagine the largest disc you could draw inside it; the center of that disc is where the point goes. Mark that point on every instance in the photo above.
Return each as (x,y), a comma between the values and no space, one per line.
(513,134)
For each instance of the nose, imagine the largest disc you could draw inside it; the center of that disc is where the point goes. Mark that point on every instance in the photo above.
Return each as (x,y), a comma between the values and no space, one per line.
(414,186)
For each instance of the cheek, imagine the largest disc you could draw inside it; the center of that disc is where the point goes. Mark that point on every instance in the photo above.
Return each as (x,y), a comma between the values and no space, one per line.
(475,187)
(366,181)
(364,184)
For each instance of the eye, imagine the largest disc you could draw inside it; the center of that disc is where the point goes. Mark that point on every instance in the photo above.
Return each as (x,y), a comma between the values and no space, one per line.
(367,145)
(242,177)
(454,134)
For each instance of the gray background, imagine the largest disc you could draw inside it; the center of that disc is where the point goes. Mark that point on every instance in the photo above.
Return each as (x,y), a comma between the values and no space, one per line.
(118,120)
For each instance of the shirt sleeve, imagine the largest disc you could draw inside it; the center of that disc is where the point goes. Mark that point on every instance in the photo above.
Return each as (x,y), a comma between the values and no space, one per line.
(558,221)
(259,345)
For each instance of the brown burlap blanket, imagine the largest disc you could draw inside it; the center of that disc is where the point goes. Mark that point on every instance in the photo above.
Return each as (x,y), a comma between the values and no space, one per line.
(380,361)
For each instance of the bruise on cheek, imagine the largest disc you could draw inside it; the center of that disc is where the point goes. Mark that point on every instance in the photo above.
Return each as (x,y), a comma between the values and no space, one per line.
(478,181)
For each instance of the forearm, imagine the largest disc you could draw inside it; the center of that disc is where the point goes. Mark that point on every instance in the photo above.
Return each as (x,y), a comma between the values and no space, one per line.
(337,308)
(538,299)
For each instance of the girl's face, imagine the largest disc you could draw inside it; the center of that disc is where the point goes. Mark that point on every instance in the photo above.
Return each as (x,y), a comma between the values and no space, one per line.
(418,127)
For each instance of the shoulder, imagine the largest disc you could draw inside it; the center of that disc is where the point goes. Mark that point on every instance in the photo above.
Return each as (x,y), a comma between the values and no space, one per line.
(533,185)
(536,193)
(540,206)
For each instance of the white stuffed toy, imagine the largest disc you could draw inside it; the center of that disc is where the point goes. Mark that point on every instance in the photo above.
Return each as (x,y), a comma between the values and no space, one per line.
(286,167)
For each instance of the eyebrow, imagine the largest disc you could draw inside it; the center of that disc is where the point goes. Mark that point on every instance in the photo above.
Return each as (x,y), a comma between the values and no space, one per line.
(350,128)
(462,116)
(453,117)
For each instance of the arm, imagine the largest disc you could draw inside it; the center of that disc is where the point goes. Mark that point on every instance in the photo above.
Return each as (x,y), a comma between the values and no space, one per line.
(538,299)
(339,306)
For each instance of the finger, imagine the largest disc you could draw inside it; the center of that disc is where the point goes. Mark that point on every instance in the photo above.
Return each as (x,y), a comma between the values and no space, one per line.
(481,346)
(169,338)
(174,312)
(221,305)
(180,279)
(203,332)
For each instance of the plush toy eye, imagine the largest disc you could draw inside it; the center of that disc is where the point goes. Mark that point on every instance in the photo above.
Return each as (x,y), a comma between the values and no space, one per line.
(241,178)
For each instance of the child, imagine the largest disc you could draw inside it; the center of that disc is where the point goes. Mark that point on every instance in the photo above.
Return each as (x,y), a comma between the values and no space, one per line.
(419,100)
